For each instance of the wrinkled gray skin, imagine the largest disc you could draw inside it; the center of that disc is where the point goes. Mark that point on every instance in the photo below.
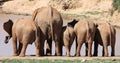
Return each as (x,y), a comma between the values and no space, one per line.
(85,31)
(50,24)
(105,35)
(68,37)
(22,30)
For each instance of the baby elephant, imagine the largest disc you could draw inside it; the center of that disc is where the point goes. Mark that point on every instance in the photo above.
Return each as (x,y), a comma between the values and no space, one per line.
(25,31)
(105,35)
(68,36)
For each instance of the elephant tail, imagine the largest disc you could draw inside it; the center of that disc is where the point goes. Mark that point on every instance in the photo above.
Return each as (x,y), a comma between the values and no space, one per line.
(112,33)
(37,35)
(35,14)
(50,20)
(7,26)
(88,31)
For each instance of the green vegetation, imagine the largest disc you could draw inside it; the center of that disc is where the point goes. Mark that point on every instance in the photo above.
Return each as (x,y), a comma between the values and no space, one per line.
(77,16)
(116,5)
(93,12)
(58,61)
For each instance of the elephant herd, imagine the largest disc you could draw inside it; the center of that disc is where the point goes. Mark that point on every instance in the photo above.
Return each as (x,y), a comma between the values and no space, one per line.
(47,24)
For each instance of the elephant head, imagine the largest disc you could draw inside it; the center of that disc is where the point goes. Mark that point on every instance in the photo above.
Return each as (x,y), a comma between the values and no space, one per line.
(7,26)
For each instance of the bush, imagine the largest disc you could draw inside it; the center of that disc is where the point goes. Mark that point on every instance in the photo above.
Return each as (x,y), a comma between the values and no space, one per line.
(116,5)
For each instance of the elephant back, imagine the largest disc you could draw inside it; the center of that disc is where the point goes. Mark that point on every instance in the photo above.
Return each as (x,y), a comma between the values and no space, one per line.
(48,20)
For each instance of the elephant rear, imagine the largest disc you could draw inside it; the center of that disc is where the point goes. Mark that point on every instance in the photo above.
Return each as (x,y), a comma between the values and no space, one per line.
(85,31)
(24,29)
(50,22)
(105,36)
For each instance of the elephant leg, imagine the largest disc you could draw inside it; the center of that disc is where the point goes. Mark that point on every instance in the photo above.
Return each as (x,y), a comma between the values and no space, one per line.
(22,54)
(103,52)
(42,47)
(95,49)
(112,49)
(67,50)
(58,45)
(49,47)
(19,48)
(37,45)
(86,44)
(79,48)
(90,48)
(105,49)
(14,43)
(58,49)
(76,47)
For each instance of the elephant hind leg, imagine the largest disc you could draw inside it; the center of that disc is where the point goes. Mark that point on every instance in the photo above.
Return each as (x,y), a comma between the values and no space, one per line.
(95,49)
(58,49)
(86,44)
(19,48)
(113,50)
(79,48)
(42,41)
(105,49)
(14,43)
(22,54)
(49,47)
(90,48)
(67,50)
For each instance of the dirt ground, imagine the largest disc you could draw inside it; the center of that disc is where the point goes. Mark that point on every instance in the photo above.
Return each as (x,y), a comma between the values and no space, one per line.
(58,57)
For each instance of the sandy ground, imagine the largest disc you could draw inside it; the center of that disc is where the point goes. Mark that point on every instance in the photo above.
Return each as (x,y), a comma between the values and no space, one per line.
(58,57)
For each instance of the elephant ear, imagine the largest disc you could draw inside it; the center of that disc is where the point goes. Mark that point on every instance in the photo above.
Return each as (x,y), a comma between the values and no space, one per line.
(7,26)
(96,25)
(72,23)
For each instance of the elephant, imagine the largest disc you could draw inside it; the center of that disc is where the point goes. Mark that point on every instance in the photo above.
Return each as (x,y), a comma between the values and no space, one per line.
(85,32)
(24,30)
(68,36)
(50,22)
(105,35)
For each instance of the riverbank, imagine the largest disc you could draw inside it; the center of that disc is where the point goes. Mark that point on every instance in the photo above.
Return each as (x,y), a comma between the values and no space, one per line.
(94,10)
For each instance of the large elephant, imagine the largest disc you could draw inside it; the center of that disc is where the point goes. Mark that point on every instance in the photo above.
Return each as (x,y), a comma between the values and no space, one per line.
(68,36)
(50,24)
(105,35)
(23,30)
(84,31)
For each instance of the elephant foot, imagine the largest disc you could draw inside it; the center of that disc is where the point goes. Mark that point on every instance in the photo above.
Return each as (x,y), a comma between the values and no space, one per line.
(37,55)
(106,56)
(48,54)
(112,54)
(77,55)
(58,54)
(68,55)
(15,54)
(90,55)
(21,55)
(94,54)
